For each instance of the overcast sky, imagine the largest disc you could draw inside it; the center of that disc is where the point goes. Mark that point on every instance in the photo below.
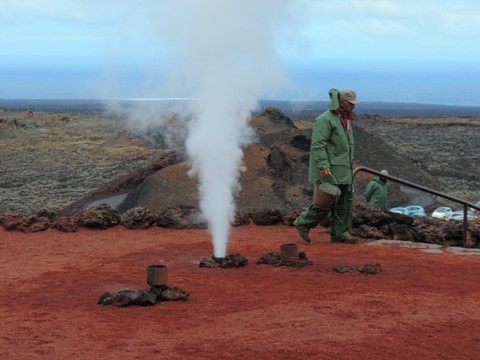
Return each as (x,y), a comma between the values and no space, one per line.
(69,48)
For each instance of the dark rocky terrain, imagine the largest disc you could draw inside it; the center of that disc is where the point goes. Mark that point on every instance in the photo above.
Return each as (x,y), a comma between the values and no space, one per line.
(68,161)
(50,160)
(447,148)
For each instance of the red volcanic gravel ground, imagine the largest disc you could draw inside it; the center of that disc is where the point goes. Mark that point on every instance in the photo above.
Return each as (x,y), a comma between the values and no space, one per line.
(421,306)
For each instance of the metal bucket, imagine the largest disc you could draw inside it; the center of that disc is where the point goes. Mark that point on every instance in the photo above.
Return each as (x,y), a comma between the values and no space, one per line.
(325,195)
(289,252)
(157,275)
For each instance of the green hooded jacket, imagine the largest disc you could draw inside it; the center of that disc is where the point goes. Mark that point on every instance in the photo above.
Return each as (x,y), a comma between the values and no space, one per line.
(377,193)
(331,146)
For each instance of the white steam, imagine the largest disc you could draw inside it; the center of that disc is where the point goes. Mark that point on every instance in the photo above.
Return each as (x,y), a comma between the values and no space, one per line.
(228,63)
(219,55)
(214,145)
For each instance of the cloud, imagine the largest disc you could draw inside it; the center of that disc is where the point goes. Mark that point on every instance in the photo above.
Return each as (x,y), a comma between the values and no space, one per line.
(68,11)
(461,24)
(349,9)
(45,29)
(427,29)
(376,27)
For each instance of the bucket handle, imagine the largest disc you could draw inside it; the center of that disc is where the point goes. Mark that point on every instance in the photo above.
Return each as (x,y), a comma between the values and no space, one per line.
(334,179)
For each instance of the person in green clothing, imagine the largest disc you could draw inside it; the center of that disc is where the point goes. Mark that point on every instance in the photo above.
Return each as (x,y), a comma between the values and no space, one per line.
(331,157)
(377,192)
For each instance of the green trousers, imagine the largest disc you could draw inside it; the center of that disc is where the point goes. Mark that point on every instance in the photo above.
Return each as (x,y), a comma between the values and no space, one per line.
(340,215)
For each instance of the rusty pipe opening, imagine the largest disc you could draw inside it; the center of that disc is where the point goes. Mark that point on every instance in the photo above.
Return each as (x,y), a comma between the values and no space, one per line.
(157,275)
(289,252)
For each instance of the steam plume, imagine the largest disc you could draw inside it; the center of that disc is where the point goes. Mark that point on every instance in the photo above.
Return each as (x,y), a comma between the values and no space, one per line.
(224,60)
(229,62)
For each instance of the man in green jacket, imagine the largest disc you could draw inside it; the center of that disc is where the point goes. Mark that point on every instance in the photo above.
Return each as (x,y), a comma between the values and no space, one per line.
(377,192)
(331,156)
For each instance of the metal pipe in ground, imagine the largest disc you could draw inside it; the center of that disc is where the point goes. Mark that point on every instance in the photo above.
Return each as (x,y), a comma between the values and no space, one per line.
(289,252)
(157,275)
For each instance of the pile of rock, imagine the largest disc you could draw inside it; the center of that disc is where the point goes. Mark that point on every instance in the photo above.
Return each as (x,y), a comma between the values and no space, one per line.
(229,261)
(370,269)
(367,223)
(275,259)
(372,223)
(149,297)
(104,216)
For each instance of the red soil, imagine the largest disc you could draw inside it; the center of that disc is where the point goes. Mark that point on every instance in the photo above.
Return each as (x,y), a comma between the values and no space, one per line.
(421,306)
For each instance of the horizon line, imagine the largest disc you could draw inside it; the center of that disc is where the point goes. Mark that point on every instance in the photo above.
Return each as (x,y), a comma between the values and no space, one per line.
(259,100)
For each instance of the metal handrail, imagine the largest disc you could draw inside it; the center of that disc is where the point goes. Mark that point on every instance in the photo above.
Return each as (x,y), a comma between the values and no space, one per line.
(466,204)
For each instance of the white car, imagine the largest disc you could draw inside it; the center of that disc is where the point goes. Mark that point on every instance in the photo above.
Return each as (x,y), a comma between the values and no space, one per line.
(458,215)
(443,212)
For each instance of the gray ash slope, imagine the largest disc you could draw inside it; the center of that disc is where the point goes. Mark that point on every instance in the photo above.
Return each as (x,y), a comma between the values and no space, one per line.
(445,148)
(276,171)
(51,160)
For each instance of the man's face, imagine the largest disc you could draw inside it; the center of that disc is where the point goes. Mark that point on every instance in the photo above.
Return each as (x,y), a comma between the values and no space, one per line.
(347,105)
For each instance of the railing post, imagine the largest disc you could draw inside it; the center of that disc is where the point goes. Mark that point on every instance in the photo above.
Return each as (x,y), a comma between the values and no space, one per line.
(465,225)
